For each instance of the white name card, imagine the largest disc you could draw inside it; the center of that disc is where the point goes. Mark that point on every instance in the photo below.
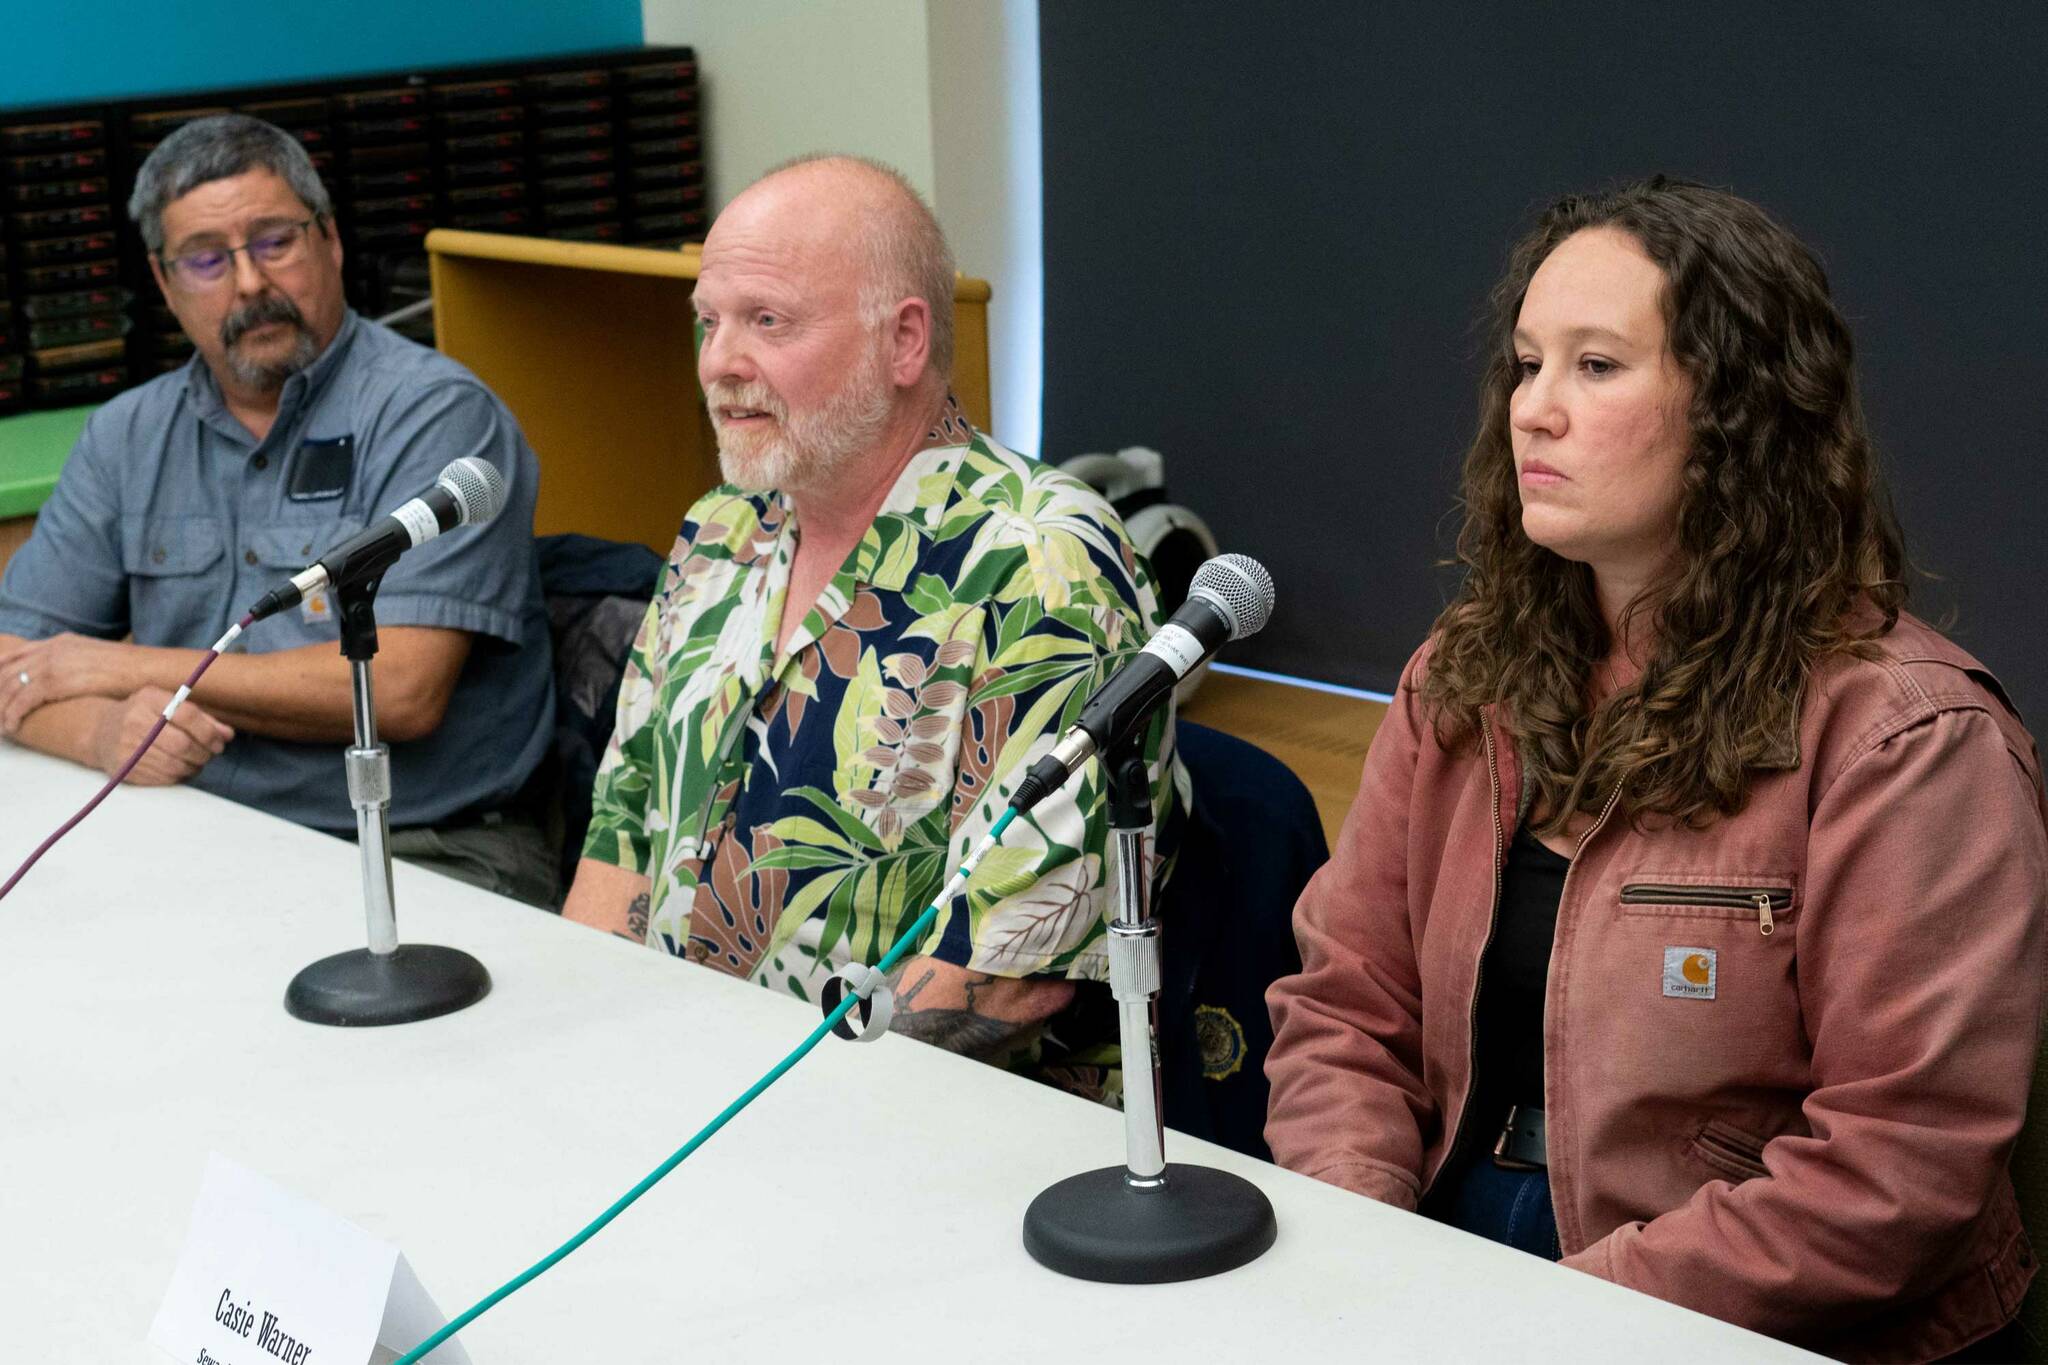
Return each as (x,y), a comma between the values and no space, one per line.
(268,1277)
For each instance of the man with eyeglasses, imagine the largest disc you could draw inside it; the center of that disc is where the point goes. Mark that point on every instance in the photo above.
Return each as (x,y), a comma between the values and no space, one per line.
(186,498)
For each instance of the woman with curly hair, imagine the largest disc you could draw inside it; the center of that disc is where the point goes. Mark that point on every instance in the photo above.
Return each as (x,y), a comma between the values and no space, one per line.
(1688,924)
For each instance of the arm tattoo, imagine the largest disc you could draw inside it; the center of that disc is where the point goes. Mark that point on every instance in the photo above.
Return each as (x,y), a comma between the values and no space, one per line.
(907,1000)
(636,920)
(957,1030)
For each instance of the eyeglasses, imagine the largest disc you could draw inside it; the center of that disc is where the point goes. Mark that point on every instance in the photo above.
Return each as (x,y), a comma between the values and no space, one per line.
(279,246)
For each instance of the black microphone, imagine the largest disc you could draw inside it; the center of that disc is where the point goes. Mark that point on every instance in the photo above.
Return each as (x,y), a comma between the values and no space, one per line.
(469,492)
(1230,598)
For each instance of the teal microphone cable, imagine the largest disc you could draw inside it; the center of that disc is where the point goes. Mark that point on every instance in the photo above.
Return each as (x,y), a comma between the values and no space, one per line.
(704,1135)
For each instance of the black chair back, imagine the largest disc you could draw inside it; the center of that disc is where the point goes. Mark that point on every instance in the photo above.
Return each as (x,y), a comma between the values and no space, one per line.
(1227,931)
(597,593)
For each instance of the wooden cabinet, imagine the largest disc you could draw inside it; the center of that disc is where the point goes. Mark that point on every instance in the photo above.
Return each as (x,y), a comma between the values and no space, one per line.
(593,349)
(13,532)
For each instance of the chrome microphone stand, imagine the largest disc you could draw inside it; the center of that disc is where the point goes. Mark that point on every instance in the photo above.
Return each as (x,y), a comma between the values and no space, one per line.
(1145,1222)
(388,982)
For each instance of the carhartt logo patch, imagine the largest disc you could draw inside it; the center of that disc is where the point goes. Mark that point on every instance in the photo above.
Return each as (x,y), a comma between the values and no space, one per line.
(1689,973)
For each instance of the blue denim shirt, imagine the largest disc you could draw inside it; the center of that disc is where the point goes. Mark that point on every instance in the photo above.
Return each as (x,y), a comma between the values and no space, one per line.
(170,519)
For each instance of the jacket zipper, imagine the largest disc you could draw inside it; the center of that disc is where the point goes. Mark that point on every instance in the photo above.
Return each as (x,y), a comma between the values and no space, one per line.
(1479,976)
(1764,900)
(1492,923)
(1563,891)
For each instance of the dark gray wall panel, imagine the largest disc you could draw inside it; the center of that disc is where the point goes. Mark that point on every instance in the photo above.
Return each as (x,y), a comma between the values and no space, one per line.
(1270,230)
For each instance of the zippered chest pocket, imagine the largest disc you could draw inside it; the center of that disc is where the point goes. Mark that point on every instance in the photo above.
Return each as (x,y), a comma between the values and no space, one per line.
(1765,900)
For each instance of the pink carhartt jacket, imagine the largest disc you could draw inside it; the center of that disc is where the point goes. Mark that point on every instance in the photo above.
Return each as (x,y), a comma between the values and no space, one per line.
(1785,1056)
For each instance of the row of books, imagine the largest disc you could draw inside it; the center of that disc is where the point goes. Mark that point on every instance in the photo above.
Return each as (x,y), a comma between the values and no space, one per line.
(598,147)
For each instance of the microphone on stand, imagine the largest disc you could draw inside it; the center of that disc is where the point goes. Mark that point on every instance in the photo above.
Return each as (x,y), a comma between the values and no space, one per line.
(469,492)
(1147,1221)
(1231,598)
(388,982)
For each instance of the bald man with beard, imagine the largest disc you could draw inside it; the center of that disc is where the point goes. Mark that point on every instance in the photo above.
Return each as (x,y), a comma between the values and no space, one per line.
(859,644)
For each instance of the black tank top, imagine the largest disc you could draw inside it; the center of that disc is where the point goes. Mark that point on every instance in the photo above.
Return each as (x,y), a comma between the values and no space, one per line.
(1511,985)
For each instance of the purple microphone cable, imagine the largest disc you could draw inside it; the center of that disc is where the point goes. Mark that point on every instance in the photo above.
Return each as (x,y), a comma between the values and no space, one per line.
(121,775)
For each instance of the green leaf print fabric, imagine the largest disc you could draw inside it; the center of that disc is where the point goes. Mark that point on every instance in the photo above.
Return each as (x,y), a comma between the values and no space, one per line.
(795,812)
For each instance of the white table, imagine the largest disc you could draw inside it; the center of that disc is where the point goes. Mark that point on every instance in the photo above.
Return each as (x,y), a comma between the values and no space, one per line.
(867,1207)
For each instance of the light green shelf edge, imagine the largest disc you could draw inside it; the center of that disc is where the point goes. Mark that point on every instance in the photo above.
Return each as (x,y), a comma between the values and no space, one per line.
(33,448)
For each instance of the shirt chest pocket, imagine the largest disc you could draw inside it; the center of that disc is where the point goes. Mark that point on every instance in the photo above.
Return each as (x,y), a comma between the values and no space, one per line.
(278,552)
(175,577)
(169,547)
(1767,900)
(292,548)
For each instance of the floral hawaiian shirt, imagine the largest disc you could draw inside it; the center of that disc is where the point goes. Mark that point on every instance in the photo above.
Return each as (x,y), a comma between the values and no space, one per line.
(797,810)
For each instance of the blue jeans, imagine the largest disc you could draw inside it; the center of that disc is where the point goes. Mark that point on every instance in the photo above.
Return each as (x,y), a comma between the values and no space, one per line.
(1513,1208)
(1509,1207)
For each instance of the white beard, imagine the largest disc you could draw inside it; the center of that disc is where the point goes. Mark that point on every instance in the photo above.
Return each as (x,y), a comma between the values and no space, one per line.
(804,448)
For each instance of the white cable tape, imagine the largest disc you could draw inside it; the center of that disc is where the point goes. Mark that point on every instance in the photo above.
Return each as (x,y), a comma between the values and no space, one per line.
(877,1002)
(220,647)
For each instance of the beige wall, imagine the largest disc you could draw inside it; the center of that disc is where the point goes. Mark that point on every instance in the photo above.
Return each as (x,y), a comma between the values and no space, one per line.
(785,77)
(944,90)
(986,172)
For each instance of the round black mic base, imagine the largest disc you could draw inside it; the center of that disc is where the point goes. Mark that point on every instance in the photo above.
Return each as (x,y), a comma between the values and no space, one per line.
(362,989)
(1095,1226)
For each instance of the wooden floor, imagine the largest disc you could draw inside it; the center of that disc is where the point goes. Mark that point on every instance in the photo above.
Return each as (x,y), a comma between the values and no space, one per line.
(1321,735)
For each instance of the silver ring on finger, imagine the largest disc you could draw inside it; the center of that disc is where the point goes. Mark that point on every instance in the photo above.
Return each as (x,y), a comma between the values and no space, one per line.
(22,677)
